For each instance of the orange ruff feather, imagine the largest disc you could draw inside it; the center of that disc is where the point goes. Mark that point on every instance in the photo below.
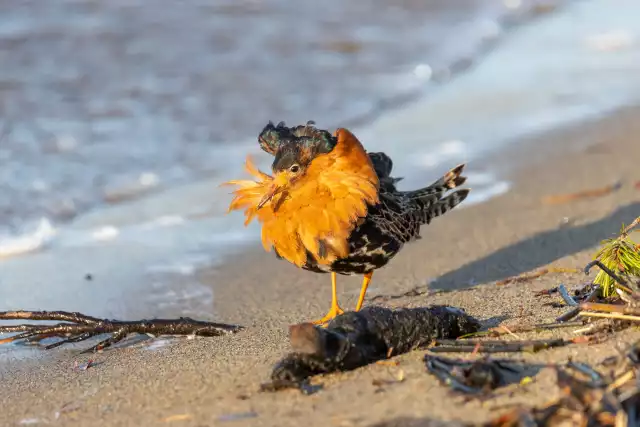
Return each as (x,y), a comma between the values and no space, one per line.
(324,205)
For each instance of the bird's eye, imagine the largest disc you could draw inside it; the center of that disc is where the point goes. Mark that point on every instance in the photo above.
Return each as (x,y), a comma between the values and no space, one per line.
(294,169)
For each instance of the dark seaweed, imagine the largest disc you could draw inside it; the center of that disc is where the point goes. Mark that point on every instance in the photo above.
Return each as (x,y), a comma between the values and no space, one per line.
(587,398)
(355,339)
(478,376)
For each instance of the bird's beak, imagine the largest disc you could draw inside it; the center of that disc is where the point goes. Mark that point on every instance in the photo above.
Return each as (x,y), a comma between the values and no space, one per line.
(277,186)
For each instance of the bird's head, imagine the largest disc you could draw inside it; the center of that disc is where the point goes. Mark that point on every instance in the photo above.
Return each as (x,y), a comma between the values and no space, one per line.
(293,149)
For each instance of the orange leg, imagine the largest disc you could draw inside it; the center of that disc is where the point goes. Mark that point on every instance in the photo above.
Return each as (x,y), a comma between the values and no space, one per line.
(363,290)
(335,308)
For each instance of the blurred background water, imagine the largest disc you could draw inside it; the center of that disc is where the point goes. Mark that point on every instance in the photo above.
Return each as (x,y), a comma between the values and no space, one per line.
(101,101)
(119,119)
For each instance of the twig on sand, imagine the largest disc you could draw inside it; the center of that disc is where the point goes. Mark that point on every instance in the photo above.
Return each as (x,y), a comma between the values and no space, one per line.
(631,226)
(525,277)
(576,310)
(620,282)
(611,316)
(81,327)
(501,330)
(355,339)
(468,346)
(546,292)
(611,308)
(585,194)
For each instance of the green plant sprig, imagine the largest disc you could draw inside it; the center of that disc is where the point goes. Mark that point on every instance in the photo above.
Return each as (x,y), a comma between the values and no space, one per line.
(622,256)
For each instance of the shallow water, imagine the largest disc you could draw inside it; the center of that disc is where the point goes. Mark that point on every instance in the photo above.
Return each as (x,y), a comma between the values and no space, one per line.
(104,101)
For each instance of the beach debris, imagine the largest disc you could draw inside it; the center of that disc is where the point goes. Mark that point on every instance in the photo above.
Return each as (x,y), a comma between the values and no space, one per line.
(29,421)
(501,330)
(355,339)
(418,422)
(580,195)
(592,295)
(525,277)
(499,346)
(587,398)
(67,408)
(617,284)
(237,416)
(568,299)
(397,378)
(84,366)
(80,327)
(566,222)
(546,292)
(177,417)
(618,260)
(637,185)
(479,376)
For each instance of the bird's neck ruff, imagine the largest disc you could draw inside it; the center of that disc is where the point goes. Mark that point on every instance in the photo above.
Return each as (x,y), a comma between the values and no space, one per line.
(318,212)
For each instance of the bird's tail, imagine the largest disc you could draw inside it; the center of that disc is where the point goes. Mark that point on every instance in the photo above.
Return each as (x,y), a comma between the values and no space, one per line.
(429,201)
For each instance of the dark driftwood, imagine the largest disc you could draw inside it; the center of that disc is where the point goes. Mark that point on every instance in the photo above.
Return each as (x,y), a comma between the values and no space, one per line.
(82,327)
(587,398)
(355,339)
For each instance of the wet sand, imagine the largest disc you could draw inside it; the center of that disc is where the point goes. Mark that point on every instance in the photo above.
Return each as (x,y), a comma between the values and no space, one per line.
(204,382)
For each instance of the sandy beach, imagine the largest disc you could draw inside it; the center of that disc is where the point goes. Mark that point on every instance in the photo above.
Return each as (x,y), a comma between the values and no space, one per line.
(215,381)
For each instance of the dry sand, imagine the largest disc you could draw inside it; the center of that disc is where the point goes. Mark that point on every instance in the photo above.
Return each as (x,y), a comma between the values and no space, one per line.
(214,381)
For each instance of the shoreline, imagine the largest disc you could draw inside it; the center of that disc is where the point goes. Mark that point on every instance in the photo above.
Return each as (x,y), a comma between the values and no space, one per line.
(122,139)
(467,251)
(527,93)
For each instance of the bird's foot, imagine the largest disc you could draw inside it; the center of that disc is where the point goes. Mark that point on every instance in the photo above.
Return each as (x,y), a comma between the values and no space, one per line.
(81,327)
(334,311)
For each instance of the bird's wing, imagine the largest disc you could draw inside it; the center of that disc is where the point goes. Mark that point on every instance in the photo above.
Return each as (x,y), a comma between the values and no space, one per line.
(401,213)
(383,165)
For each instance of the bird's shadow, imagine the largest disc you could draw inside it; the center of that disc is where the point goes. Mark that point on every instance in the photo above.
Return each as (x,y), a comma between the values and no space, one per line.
(536,251)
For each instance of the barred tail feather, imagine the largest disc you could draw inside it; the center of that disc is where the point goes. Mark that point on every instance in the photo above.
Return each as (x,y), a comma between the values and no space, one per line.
(443,205)
(426,198)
